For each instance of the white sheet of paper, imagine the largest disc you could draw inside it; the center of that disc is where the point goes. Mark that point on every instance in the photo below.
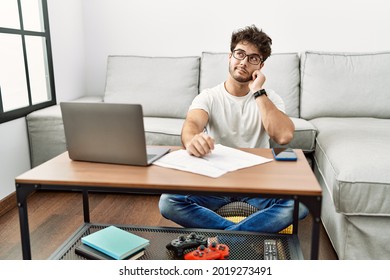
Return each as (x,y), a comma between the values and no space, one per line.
(220,161)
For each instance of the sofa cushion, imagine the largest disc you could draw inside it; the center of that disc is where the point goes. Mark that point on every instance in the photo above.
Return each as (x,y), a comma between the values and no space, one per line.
(304,136)
(214,69)
(164,86)
(345,85)
(352,157)
(281,71)
(163,131)
(46,132)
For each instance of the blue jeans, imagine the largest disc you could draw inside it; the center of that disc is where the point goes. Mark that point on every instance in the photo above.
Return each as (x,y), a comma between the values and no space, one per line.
(195,211)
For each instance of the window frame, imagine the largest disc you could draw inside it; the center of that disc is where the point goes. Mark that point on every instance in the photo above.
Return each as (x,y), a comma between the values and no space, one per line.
(22,112)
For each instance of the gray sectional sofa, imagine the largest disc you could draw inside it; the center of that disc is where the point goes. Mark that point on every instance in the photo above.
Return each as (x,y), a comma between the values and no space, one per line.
(339,103)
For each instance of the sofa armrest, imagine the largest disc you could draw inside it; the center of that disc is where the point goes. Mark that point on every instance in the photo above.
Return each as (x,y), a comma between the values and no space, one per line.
(304,136)
(46,131)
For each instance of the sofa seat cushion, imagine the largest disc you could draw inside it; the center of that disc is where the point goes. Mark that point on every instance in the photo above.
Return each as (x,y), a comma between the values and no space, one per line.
(163,131)
(304,136)
(164,86)
(167,131)
(352,156)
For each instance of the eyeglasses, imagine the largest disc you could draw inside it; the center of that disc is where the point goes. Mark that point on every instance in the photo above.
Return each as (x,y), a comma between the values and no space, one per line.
(254,59)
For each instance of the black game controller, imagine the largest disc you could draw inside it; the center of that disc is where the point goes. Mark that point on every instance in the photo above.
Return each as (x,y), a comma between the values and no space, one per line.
(183,242)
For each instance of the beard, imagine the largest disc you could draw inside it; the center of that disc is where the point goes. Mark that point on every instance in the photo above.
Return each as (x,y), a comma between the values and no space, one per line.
(241,78)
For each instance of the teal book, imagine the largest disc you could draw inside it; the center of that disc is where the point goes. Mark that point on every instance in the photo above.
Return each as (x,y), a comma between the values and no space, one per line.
(115,242)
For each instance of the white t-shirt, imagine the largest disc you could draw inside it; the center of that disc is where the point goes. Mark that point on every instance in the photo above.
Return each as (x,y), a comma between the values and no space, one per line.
(235,121)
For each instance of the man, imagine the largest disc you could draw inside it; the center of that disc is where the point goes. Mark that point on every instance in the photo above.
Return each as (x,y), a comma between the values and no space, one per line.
(236,113)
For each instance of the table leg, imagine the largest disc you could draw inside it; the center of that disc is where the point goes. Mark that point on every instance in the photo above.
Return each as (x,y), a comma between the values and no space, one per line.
(315,238)
(296,215)
(22,191)
(314,206)
(86,206)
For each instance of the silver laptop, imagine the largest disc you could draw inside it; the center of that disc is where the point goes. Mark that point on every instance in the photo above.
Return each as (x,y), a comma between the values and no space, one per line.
(109,133)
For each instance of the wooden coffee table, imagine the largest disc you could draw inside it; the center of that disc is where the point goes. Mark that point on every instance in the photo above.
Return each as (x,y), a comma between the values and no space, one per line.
(291,180)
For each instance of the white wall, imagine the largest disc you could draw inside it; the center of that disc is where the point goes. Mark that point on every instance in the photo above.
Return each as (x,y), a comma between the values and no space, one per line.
(66,26)
(180,28)
(67,40)
(14,153)
(84,32)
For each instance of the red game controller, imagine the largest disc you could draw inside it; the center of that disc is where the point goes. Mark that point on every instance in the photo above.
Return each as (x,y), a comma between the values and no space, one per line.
(213,252)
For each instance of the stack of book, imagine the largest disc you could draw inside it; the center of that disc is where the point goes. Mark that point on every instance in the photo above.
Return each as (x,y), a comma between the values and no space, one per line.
(112,243)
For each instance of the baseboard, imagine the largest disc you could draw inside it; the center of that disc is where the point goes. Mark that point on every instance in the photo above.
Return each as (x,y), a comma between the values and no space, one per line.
(7,203)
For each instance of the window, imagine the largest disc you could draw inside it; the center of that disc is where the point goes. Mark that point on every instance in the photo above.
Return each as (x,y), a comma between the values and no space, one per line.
(26,68)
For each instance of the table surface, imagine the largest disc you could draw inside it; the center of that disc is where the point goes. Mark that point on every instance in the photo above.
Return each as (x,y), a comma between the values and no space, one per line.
(275,177)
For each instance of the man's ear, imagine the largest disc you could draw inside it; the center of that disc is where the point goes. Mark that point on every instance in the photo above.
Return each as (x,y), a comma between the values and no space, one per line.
(261,65)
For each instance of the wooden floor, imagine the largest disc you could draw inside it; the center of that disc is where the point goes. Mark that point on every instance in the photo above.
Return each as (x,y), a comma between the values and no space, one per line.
(54,216)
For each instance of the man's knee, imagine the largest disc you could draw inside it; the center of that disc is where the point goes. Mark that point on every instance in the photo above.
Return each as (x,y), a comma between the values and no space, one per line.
(164,204)
(303,211)
(168,204)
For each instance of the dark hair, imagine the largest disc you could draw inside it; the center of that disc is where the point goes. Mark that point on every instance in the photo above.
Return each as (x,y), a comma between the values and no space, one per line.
(253,35)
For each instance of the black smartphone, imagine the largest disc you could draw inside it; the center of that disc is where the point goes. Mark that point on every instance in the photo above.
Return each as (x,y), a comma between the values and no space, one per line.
(286,154)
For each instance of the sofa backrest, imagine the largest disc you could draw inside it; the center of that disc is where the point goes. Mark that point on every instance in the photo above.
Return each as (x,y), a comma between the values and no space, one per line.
(345,85)
(164,86)
(281,71)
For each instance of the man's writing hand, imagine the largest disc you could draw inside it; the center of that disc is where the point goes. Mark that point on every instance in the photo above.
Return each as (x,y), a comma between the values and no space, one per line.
(200,145)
